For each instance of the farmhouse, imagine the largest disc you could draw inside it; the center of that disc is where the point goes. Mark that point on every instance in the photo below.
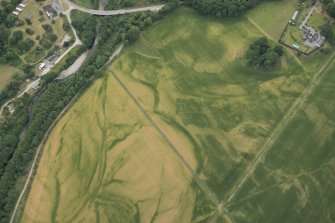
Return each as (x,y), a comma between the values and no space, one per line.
(312,37)
(49,11)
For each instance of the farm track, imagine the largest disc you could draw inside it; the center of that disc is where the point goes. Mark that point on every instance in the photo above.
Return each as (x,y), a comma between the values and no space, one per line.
(203,186)
(297,105)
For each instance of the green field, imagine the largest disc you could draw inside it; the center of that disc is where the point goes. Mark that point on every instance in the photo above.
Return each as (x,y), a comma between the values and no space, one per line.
(6,73)
(297,176)
(272,16)
(106,162)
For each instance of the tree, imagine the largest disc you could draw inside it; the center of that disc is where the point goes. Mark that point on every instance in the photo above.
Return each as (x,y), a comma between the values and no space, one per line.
(16,37)
(327,32)
(4,34)
(330,8)
(279,50)
(262,54)
(131,35)
(29,31)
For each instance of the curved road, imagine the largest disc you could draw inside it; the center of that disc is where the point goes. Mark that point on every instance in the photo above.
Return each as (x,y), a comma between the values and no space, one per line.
(112,12)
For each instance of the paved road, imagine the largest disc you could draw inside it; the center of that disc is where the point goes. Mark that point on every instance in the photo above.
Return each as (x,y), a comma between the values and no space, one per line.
(112,12)
(297,105)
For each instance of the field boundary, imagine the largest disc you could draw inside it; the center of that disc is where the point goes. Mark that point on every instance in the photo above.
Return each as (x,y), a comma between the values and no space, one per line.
(296,106)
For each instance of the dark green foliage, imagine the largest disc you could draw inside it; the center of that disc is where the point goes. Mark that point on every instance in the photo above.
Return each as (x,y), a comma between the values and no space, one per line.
(47,40)
(85,26)
(28,21)
(29,31)
(327,32)
(329,6)
(16,37)
(47,28)
(131,35)
(24,46)
(262,55)
(222,8)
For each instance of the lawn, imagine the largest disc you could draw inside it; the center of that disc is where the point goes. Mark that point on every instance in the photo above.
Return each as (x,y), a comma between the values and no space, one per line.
(6,73)
(297,176)
(105,161)
(273,16)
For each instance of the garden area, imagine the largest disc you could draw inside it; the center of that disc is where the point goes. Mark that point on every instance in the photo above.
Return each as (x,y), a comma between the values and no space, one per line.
(303,33)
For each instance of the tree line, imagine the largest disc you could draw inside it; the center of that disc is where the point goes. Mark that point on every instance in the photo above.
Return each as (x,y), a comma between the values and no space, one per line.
(222,8)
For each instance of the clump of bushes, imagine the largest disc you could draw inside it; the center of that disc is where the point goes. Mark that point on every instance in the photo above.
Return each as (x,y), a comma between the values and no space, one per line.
(262,54)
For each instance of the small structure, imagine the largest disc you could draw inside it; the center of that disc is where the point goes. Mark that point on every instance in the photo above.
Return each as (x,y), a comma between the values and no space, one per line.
(11,108)
(294,18)
(295,46)
(16,13)
(19,9)
(22,5)
(49,11)
(28,15)
(42,65)
(52,59)
(35,85)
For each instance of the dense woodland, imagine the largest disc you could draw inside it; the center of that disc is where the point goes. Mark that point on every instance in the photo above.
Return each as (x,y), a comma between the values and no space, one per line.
(17,147)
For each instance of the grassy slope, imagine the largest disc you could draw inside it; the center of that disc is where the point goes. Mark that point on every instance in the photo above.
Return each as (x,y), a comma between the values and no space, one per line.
(297,177)
(6,73)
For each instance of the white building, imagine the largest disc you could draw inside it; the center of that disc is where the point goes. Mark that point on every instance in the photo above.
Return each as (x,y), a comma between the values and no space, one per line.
(22,5)
(42,65)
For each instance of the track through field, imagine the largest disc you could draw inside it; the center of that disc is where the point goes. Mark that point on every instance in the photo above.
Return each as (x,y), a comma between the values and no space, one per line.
(203,186)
